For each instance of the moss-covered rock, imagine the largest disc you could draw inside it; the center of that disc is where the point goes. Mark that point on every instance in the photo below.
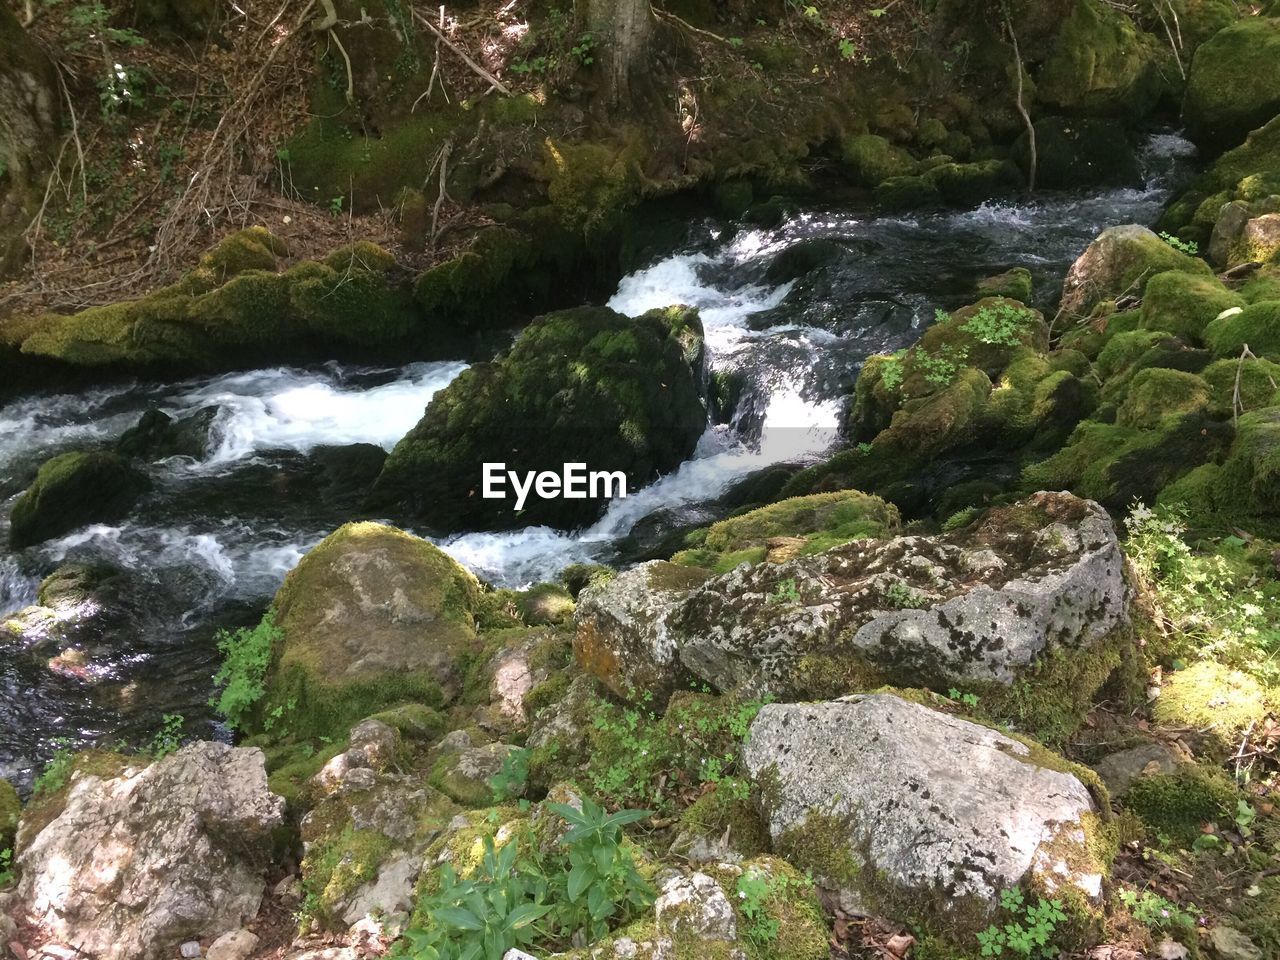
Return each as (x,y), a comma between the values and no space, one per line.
(1257,383)
(10,811)
(1213,699)
(1234,84)
(1157,392)
(371,617)
(71,490)
(1116,464)
(583,386)
(1257,325)
(1178,805)
(871,159)
(1243,489)
(1120,262)
(1185,303)
(801,525)
(234,309)
(1101,64)
(1015,284)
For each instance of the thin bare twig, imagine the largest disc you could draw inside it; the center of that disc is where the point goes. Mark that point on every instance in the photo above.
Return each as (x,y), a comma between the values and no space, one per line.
(480,71)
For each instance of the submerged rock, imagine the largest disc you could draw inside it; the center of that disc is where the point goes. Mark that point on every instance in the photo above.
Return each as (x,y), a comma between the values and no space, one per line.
(71,490)
(980,605)
(586,386)
(371,617)
(889,802)
(134,865)
(158,435)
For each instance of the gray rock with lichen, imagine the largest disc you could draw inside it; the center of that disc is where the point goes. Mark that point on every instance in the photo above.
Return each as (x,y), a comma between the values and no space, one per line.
(884,799)
(980,604)
(135,865)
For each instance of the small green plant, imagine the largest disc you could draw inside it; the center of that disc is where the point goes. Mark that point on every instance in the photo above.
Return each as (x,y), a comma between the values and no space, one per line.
(6,868)
(904,597)
(515,899)
(1189,247)
(1002,325)
(241,681)
(970,700)
(509,782)
(786,593)
(1154,911)
(1029,931)
(335,206)
(1245,815)
(58,770)
(940,368)
(848,49)
(754,891)
(168,739)
(891,370)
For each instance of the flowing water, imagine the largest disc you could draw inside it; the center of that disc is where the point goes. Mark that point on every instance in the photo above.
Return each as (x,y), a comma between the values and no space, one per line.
(213,539)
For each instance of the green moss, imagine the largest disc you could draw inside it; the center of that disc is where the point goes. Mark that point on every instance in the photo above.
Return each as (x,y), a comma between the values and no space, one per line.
(10,812)
(870,159)
(907,193)
(1156,393)
(545,603)
(1263,285)
(593,386)
(719,812)
(314,689)
(414,722)
(1258,326)
(1184,304)
(965,184)
(1015,284)
(1100,62)
(819,847)
(337,867)
(1234,83)
(1259,384)
(71,490)
(822,520)
(792,903)
(1178,804)
(1214,699)
(1051,699)
(1116,465)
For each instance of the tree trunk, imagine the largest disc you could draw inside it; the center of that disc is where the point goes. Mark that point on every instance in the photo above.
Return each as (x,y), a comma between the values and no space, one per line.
(29,111)
(622,31)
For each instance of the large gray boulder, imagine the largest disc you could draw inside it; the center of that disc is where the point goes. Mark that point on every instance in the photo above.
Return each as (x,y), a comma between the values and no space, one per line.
(900,808)
(137,864)
(976,606)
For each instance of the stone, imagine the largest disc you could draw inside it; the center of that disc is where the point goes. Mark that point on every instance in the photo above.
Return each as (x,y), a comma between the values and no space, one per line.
(1231,944)
(237,945)
(137,864)
(371,617)
(190,949)
(1227,229)
(1259,240)
(695,906)
(1119,770)
(586,386)
(1233,85)
(157,435)
(71,490)
(980,604)
(1119,262)
(884,798)
(465,776)
(623,637)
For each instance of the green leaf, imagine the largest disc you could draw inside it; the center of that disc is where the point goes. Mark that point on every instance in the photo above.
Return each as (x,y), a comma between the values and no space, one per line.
(580,878)
(457,917)
(526,914)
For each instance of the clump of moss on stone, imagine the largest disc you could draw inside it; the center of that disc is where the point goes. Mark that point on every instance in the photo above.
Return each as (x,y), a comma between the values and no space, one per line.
(10,812)
(720,812)
(73,489)
(1212,698)
(1183,304)
(820,521)
(1178,805)
(1257,325)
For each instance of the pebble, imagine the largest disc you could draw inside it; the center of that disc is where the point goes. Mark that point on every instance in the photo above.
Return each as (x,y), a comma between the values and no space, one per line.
(190,950)
(237,945)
